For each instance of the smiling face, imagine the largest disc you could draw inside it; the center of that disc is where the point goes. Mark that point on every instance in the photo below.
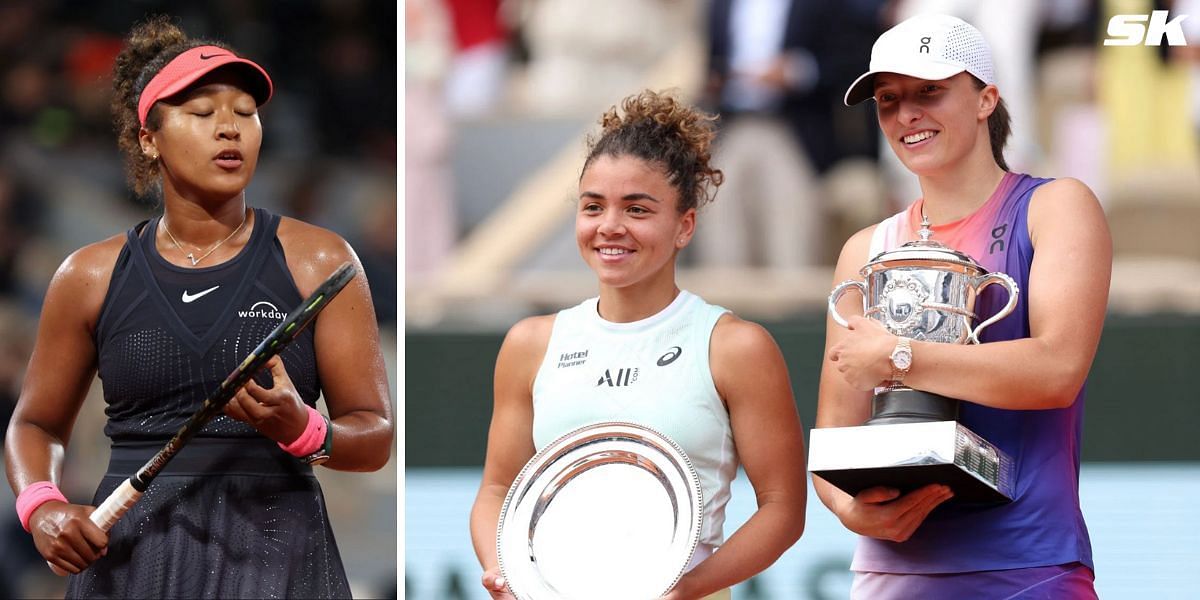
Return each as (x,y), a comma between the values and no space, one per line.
(628,226)
(208,138)
(933,125)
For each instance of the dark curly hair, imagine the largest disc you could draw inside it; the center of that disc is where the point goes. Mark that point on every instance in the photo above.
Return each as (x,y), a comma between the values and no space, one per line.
(150,45)
(658,128)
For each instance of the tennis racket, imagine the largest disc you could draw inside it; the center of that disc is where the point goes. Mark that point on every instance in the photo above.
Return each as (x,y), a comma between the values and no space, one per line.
(127,494)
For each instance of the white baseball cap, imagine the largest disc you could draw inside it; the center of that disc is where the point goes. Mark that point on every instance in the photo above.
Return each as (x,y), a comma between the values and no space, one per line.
(932,47)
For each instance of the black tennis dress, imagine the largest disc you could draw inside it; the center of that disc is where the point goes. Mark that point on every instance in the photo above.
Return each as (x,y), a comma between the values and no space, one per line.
(232,515)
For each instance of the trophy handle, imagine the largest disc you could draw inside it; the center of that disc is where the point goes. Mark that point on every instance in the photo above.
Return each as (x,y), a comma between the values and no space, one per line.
(836,295)
(1013,292)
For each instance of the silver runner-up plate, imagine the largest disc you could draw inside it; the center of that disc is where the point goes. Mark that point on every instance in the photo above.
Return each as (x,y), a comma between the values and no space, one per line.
(611,510)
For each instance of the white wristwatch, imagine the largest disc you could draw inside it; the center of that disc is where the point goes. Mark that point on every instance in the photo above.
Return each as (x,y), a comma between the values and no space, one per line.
(901,359)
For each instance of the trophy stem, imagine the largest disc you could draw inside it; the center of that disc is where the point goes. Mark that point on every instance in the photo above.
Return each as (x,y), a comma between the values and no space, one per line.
(906,405)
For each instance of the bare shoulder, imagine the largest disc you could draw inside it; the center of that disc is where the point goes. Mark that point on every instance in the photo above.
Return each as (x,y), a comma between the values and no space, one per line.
(746,363)
(854,253)
(1063,197)
(312,243)
(530,336)
(858,245)
(90,267)
(1065,203)
(521,356)
(1066,189)
(736,339)
(862,237)
(83,277)
(312,252)
(93,262)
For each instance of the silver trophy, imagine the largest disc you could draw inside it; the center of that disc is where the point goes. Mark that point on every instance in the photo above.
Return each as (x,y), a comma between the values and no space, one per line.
(923,291)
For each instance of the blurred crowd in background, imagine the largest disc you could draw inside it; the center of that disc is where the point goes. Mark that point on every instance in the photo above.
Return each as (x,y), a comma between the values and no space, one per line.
(499,95)
(329,157)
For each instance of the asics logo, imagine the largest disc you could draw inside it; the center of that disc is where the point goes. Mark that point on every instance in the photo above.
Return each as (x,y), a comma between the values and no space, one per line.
(670,356)
(189,298)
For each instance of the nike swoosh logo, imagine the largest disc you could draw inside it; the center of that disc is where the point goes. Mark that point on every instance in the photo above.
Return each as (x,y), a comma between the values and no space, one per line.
(189,298)
(208,56)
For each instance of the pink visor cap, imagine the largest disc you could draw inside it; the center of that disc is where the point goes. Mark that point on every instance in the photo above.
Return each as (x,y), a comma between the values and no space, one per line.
(191,65)
(932,47)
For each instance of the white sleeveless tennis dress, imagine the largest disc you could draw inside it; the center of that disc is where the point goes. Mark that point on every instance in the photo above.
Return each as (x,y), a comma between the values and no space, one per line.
(653,372)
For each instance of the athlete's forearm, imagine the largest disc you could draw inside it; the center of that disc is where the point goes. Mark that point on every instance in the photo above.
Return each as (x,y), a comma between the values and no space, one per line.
(1024,374)
(31,454)
(830,495)
(485,516)
(362,441)
(756,545)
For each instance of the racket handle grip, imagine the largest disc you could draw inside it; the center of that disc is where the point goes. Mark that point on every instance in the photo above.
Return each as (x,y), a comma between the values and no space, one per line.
(115,506)
(109,512)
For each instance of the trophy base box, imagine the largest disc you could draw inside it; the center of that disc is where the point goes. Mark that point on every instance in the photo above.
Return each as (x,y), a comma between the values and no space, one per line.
(911,455)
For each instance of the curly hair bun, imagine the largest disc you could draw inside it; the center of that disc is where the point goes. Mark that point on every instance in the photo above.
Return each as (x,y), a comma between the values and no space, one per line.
(658,128)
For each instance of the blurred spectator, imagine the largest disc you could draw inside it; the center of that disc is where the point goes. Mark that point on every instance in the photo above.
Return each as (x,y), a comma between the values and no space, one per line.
(28,95)
(1146,96)
(87,67)
(302,199)
(377,251)
(430,222)
(1190,54)
(1070,124)
(587,55)
(18,25)
(1151,161)
(355,67)
(476,82)
(21,210)
(16,342)
(776,73)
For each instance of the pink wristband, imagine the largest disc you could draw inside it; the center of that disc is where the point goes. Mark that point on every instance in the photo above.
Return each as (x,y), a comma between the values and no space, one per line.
(312,438)
(34,496)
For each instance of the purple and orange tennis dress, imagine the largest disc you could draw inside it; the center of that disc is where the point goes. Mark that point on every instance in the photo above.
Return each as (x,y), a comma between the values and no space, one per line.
(1040,538)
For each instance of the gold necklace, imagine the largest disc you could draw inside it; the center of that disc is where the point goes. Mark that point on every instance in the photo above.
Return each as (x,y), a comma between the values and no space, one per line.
(191,256)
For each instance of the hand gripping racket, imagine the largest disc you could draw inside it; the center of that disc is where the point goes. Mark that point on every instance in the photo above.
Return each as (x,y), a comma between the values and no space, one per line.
(128,493)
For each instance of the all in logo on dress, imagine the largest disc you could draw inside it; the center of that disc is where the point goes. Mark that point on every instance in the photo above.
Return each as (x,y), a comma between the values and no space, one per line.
(624,377)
